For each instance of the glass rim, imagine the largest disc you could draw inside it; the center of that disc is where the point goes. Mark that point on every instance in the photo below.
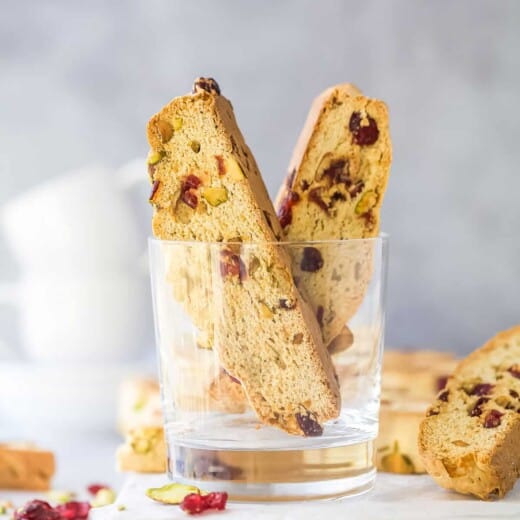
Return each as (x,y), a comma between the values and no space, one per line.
(382,237)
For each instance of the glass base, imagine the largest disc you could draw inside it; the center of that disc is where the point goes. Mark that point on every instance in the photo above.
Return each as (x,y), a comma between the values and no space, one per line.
(260,476)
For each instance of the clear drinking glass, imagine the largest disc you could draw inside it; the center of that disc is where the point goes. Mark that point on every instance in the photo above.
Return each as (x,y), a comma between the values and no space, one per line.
(214,437)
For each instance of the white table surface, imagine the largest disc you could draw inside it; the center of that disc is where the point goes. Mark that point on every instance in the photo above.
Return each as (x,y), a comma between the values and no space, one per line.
(394,497)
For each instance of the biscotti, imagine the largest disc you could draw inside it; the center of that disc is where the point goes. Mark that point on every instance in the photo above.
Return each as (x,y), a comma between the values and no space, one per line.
(470,439)
(207,187)
(144,451)
(23,466)
(334,190)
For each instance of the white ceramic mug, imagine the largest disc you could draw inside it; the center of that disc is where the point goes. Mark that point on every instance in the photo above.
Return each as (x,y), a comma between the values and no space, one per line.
(77,222)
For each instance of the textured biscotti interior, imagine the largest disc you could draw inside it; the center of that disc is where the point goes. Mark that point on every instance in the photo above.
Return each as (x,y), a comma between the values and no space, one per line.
(334,190)
(207,187)
(470,439)
(23,466)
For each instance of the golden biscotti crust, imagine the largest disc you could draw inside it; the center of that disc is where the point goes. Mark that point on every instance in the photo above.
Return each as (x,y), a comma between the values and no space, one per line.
(207,187)
(334,190)
(470,439)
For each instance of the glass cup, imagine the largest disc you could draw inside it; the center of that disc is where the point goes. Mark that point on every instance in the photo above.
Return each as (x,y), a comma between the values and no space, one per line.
(213,301)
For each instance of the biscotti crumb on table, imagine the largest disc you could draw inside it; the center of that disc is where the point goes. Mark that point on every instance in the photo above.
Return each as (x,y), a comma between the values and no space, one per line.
(206,187)
(470,439)
(334,190)
(144,451)
(24,466)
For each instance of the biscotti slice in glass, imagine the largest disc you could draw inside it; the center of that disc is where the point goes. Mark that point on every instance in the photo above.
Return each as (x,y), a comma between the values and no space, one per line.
(334,190)
(207,187)
(470,439)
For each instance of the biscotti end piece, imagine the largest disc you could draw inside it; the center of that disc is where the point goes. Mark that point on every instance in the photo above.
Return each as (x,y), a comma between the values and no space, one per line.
(339,169)
(23,466)
(470,439)
(207,187)
(144,451)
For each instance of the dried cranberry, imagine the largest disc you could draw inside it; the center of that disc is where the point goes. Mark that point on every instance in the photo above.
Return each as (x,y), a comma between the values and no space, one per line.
(477,410)
(290,179)
(193,504)
(355,189)
(221,165)
(338,172)
(432,411)
(514,393)
(285,209)
(155,187)
(37,510)
(284,304)
(315,196)
(216,500)
(94,488)
(514,371)
(366,134)
(312,260)
(190,198)
(444,396)
(231,265)
(319,315)
(309,426)
(441,381)
(234,379)
(482,389)
(207,84)
(492,419)
(191,181)
(305,185)
(74,510)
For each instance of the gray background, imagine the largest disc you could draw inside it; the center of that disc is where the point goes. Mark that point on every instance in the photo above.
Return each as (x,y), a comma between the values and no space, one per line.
(78,81)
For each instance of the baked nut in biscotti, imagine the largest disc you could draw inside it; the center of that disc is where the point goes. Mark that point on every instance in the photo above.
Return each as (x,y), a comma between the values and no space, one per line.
(144,451)
(334,190)
(207,187)
(470,439)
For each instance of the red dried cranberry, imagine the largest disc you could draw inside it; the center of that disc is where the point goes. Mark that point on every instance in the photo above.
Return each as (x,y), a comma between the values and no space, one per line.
(190,198)
(37,510)
(444,396)
(309,426)
(191,181)
(514,393)
(312,260)
(74,510)
(514,371)
(356,188)
(284,304)
(482,389)
(492,419)
(363,135)
(290,179)
(305,185)
(94,488)
(234,379)
(193,504)
(315,196)
(231,265)
(477,410)
(319,315)
(441,382)
(216,500)
(431,412)
(338,172)
(207,84)
(285,209)
(221,165)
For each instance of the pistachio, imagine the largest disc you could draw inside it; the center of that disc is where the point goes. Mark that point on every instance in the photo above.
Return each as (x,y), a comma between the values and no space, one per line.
(155,156)
(60,496)
(265,311)
(141,445)
(173,493)
(104,497)
(177,123)
(165,130)
(215,196)
(195,146)
(233,168)
(366,203)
